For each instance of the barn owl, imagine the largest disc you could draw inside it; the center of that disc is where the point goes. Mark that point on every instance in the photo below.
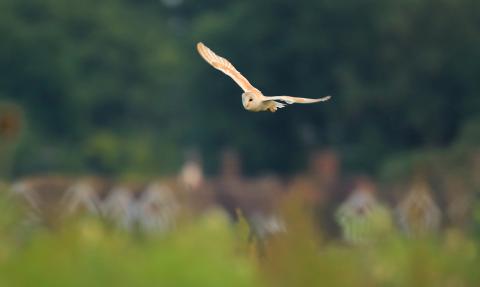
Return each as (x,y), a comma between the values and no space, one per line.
(252,99)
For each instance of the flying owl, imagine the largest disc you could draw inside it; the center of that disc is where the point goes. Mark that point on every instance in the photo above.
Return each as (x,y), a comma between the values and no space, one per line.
(252,99)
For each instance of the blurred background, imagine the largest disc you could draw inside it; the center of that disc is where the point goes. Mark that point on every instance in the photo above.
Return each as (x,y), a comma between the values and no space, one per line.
(118,87)
(105,104)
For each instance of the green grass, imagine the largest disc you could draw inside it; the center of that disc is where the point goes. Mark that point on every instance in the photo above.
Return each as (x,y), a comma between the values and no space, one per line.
(209,251)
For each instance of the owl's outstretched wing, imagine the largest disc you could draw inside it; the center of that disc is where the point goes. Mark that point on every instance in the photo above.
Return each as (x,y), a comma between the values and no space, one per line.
(225,66)
(294,100)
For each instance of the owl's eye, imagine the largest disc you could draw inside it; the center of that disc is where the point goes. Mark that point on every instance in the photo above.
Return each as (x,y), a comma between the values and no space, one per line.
(250,100)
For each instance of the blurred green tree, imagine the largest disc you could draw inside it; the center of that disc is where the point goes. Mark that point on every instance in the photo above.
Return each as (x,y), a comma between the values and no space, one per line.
(403,75)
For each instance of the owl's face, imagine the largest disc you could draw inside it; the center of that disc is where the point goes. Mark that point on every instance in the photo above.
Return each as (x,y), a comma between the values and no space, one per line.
(248,100)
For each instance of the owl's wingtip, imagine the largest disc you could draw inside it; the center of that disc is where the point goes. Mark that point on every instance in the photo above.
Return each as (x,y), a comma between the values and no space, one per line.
(200,47)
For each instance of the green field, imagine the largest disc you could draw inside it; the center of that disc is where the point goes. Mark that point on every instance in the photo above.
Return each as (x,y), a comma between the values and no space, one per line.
(210,251)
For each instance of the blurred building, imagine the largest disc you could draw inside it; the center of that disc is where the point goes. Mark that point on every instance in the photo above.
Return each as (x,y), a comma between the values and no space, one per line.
(191,174)
(194,190)
(362,218)
(459,196)
(320,188)
(230,184)
(417,213)
(156,208)
(86,194)
(255,198)
(118,207)
(43,197)
(260,207)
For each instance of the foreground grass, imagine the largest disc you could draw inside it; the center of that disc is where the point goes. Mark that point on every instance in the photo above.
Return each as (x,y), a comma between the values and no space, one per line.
(209,251)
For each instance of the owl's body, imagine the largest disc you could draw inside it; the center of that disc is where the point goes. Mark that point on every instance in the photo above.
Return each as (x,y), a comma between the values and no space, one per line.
(252,99)
(255,102)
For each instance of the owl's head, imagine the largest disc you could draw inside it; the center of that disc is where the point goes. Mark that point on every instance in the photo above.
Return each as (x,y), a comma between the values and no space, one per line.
(248,100)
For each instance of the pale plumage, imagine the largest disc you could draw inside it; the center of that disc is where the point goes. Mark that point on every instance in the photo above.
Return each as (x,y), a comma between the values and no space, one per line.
(252,99)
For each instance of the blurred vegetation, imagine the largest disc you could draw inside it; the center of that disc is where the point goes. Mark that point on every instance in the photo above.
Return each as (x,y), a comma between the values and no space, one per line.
(207,251)
(116,85)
